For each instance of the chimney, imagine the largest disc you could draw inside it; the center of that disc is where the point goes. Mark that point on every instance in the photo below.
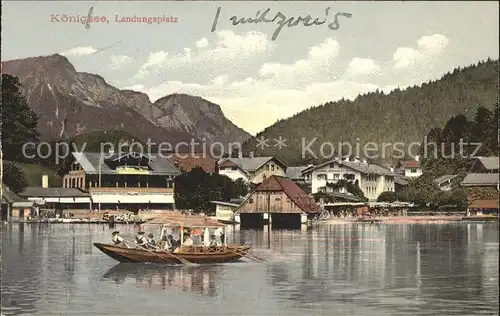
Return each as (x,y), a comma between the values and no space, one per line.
(250,154)
(417,158)
(45,181)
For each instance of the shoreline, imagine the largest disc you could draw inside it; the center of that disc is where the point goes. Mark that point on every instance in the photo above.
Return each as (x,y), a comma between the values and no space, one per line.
(431,219)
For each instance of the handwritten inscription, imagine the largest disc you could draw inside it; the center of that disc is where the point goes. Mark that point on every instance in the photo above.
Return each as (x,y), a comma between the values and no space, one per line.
(282,20)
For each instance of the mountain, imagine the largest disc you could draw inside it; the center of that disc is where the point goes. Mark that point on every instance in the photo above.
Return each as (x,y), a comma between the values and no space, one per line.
(70,103)
(400,116)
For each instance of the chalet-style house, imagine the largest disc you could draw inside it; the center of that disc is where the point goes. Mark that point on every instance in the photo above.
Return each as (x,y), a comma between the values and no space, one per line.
(252,169)
(409,168)
(482,186)
(279,197)
(372,179)
(127,181)
(187,161)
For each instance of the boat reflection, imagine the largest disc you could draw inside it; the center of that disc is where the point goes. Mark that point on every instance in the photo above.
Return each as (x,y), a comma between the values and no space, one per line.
(200,280)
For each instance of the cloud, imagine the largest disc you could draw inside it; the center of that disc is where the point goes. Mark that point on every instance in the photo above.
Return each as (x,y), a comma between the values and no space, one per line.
(79,51)
(202,43)
(362,66)
(429,47)
(120,61)
(279,90)
(319,61)
(228,49)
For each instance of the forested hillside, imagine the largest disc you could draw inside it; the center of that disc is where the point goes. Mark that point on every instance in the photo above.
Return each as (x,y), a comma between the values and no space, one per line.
(399,116)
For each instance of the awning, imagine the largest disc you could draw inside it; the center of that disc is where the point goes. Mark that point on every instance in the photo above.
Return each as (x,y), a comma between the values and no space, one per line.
(23,204)
(67,200)
(167,198)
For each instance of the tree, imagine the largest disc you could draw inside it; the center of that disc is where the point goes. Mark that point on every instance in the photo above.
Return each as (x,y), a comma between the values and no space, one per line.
(14,177)
(387,196)
(18,123)
(195,189)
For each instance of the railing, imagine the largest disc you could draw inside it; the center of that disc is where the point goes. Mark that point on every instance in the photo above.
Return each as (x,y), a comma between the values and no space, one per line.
(131,189)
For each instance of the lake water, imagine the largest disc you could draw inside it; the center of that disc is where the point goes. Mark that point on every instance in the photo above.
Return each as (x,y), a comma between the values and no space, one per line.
(345,269)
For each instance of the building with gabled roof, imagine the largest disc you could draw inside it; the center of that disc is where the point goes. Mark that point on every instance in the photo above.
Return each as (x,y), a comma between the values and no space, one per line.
(278,196)
(409,168)
(485,165)
(372,179)
(252,169)
(130,180)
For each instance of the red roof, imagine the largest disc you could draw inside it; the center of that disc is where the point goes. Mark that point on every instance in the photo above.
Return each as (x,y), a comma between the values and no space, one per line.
(186,162)
(410,164)
(292,190)
(484,204)
(228,163)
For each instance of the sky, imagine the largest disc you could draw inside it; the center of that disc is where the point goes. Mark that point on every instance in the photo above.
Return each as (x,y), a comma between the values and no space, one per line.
(254,78)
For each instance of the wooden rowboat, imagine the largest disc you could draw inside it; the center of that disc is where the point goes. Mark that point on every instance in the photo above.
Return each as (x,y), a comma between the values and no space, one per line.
(194,254)
(185,253)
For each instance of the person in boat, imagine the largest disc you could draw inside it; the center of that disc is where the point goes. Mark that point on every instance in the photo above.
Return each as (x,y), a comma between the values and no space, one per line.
(188,241)
(140,240)
(151,241)
(116,238)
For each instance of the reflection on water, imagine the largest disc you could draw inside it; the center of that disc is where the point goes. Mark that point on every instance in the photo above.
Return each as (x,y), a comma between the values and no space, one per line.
(200,280)
(345,269)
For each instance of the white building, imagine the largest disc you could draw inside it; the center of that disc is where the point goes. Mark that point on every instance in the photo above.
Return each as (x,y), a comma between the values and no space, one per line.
(445,182)
(252,169)
(409,168)
(372,179)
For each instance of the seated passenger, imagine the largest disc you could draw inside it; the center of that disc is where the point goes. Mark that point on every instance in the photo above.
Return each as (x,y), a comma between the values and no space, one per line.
(116,238)
(151,241)
(188,241)
(140,240)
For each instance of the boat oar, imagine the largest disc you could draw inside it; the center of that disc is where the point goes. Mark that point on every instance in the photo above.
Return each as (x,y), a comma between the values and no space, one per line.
(246,255)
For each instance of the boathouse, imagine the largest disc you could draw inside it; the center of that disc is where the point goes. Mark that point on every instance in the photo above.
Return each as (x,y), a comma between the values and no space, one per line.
(482,193)
(277,200)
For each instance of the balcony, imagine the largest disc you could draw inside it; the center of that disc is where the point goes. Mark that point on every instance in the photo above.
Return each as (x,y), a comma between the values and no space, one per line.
(130,189)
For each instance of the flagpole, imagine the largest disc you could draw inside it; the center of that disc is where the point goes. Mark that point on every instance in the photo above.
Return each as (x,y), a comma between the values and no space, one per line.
(100,169)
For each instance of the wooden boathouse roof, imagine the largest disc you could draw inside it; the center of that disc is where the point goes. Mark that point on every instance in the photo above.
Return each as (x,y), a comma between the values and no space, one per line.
(281,184)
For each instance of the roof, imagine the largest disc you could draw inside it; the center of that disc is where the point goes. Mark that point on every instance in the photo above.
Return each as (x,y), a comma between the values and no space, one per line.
(484,204)
(188,161)
(400,180)
(52,192)
(295,172)
(90,164)
(343,196)
(292,190)
(445,178)
(251,164)
(489,163)
(8,196)
(362,167)
(172,219)
(225,203)
(410,163)
(480,179)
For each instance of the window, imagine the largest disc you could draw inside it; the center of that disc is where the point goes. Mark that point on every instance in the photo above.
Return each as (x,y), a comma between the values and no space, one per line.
(336,176)
(413,170)
(322,189)
(264,177)
(267,167)
(321,176)
(234,168)
(272,167)
(250,200)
